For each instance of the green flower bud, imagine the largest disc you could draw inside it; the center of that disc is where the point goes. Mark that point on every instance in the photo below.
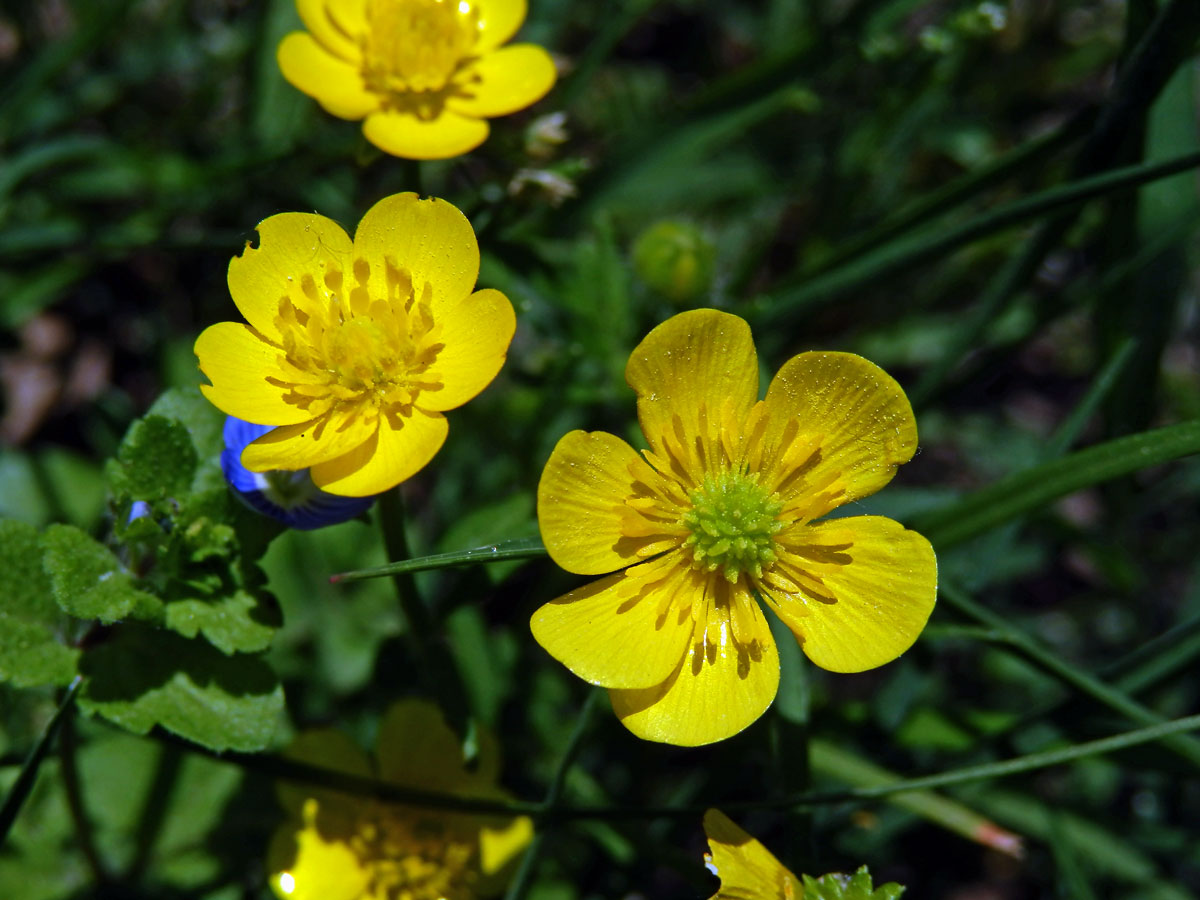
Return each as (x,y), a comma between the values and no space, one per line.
(675,259)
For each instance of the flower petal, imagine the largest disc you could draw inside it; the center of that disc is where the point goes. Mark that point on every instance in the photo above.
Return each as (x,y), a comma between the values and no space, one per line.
(404,135)
(721,688)
(238,362)
(335,83)
(499,21)
(622,631)
(499,846)
(581,502)
(476,331)
(702,359)
(416,748)
(394,454)
(853,411)
(430,239)
(747,869)
(336,34)
(510,78)
(290,246)
(881,578)
(329,749)
(309,443)
(307,866)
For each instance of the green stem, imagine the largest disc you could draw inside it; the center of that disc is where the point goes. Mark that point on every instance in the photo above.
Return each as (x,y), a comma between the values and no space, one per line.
(358,785)
(1105,694)
(19,792)
(524,877)
(520,548)
(68,753)
(902,255)
(435,670)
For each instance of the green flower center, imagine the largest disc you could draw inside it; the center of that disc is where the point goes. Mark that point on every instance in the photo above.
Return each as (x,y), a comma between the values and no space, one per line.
(733,522)
(415,46)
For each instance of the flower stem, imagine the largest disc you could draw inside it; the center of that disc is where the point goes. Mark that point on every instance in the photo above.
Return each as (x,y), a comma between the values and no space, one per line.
(19,792)
(281,768)
(436,671)
(523,878)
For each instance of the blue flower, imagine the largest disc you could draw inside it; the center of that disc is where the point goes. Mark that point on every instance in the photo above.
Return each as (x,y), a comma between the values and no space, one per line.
(291,497)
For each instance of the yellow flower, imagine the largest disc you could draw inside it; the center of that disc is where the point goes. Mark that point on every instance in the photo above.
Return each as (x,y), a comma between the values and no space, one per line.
(339,847)
(354,349)
(720,510)
(747,869)
(424,74)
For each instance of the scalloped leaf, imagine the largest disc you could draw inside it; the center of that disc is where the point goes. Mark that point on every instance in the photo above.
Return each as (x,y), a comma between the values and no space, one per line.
(89,582)
(156,460)
(30,651)
(836,886)
(236,622)
(144,677)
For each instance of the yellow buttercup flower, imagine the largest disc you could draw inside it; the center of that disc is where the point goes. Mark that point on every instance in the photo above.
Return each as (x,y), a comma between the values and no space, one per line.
(425,75)
(339,847)
(722,510)
(354,349)
(747,869)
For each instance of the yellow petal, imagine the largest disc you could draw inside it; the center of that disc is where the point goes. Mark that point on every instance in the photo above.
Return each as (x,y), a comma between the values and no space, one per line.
(854,411)
(720,689)
(333,82)
(389,457)
(883,579)
(499,846)
(308,443)
(290,246)
(404,135)
(509,79)
(499,21)
(622,631)
(307,865)
(238,362)
(747,869)
(331,750)
(581,499)
(697,360)
(430,239)
(416,748)
(476,331)
(336,24)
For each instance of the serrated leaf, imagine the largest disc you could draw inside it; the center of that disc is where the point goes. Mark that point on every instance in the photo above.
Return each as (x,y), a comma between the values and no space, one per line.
(238,622)
(88,581)
(156,460)
(30,652)
(836,886)
(145,677)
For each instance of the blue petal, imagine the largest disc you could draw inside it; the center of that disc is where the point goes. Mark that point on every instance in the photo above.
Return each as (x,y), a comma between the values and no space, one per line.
(289,497)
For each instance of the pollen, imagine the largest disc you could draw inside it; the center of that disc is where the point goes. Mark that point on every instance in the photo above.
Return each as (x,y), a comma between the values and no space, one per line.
(358,353)
(732,525)
(417,46)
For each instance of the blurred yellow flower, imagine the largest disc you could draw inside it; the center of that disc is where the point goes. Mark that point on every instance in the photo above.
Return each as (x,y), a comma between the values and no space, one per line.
(720,510)
(747,869)
(426,75)
(339,847)
(354,349)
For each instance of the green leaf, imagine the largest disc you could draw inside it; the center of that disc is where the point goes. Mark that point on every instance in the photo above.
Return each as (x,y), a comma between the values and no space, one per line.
(237,622)
(858,886)
(88,581)
(156,460)
(1032,488)
(205,424)
(145,677)
(30,653)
